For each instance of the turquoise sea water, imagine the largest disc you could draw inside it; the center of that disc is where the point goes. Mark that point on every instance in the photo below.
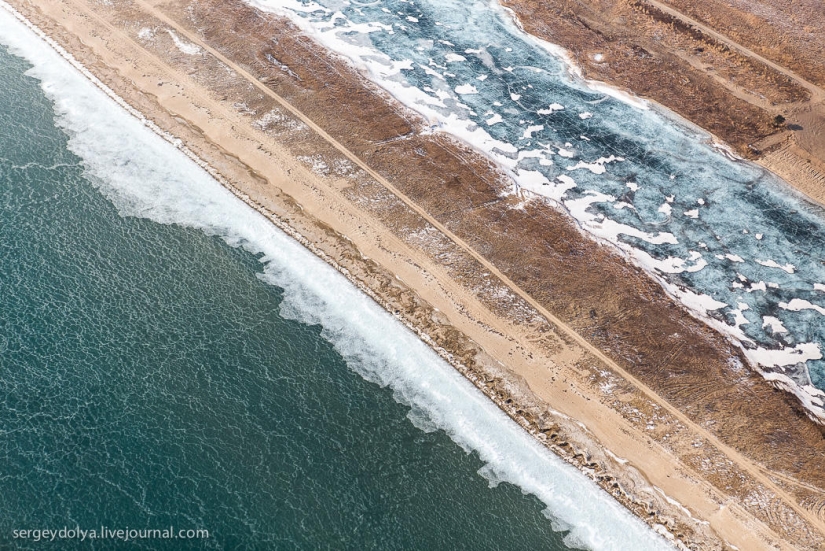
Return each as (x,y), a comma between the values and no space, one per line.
(152,375)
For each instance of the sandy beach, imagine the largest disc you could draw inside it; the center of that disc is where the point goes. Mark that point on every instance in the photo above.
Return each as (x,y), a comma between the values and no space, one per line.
(586,364)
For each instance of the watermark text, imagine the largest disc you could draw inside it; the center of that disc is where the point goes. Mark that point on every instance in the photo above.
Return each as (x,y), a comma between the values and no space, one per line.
(106,533)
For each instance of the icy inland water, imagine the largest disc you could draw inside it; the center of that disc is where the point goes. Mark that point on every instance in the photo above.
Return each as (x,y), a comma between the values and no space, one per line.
(735,244)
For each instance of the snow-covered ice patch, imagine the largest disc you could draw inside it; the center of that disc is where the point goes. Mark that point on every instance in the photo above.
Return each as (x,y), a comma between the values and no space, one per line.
(185,47)
(466,89)
(551,109)
(789,268)
(773,324)
(798,304)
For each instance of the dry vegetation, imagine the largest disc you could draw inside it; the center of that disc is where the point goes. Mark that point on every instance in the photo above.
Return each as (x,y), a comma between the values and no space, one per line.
(788,32)
(659,56)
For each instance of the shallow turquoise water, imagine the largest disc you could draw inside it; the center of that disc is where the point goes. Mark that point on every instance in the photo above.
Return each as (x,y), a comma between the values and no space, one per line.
(151,375)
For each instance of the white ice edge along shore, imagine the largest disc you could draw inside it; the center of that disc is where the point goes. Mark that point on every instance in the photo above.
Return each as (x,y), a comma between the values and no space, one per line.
(161,184)
(380,70)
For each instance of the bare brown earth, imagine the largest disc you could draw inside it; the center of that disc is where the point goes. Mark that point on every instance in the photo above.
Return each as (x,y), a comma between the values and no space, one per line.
(556,329)
(729,66)
(788,32)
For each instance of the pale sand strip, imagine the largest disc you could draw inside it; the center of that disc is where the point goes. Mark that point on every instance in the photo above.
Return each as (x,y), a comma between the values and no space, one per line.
(793,164)
(321,198)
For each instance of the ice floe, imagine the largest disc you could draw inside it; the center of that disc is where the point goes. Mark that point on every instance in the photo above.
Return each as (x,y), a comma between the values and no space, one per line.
(495,119)
(597,166)
(530,130)
(786,356)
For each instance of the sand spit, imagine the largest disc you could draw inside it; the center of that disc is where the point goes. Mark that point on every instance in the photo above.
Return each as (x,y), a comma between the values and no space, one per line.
(698,446)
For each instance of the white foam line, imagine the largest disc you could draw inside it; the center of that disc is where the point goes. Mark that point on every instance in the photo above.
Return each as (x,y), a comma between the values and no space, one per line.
(143,175)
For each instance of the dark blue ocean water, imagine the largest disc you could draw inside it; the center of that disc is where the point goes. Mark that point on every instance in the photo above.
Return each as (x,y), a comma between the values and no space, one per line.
(151,375)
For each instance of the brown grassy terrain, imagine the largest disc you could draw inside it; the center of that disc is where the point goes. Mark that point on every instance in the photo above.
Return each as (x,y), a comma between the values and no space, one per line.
(788,32)
(729,66)
(658,56)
